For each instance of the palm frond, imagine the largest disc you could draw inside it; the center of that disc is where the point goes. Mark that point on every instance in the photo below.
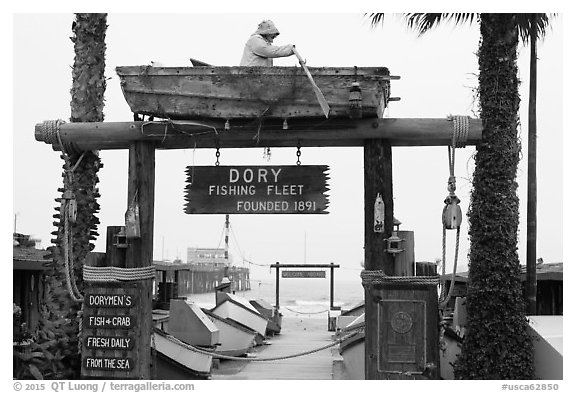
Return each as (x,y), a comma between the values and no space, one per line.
(524,23)
(422,22)
(376,18)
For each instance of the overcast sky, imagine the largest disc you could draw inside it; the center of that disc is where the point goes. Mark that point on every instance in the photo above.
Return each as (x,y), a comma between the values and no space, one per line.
(438,77)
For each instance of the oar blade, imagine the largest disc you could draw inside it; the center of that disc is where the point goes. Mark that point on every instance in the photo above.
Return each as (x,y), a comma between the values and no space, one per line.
(322,100)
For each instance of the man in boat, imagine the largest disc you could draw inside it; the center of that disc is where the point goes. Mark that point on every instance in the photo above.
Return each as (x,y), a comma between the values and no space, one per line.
(259,50)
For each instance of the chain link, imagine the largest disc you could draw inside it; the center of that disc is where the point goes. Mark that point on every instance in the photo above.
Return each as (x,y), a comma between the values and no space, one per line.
(298,153)
(217,163)
(267,154)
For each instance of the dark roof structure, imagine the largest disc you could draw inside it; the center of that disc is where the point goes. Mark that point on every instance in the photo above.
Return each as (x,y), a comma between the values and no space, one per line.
(25,256)
(544,272)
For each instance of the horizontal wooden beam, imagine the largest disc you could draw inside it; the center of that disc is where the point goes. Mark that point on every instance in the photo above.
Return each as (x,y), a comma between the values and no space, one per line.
(255,133)
(305,265)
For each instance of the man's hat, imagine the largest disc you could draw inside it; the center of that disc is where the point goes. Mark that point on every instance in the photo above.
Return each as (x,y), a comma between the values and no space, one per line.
(267,27)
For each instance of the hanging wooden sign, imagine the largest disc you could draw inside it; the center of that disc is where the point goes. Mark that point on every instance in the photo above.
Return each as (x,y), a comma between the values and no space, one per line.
(110,326)
(303,274)
(108,300)
(108,364)
(109,342)
(109,321)
(297,189)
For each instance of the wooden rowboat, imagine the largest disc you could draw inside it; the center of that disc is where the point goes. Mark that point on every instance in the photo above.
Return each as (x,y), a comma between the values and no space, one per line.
(178,360)
(188,93)
(352,349)
(272,313)
(235,339)
(189,323)
(241,311)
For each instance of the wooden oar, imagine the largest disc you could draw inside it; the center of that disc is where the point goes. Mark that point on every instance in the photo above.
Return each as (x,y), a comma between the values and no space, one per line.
(319,96)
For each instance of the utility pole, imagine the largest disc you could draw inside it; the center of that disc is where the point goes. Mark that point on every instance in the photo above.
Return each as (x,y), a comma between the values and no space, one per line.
(226,234)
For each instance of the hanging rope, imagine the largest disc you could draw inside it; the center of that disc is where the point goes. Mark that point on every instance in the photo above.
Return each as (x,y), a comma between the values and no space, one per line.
(235,241)
(254,263)
(246,359)
(444,297)
(452,214)
(306,313)
(73,291)
(69,210)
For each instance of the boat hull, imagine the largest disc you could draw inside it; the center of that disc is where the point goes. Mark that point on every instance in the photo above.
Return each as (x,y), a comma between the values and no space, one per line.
(189,324)
(242,315)
(352,352)
(181,354)
(272,313)
(235,340)
(186,93)
(352,348)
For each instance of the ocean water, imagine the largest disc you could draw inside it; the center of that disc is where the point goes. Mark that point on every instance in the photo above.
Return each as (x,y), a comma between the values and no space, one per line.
(299,297)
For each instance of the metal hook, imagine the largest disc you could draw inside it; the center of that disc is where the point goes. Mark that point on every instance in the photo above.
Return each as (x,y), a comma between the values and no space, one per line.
(217,163)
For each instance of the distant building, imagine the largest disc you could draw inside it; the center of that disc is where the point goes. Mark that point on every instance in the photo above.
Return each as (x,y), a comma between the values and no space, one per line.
(214,257)
(28,278)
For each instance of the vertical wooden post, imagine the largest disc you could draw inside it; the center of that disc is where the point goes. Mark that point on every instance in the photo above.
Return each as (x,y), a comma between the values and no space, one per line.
(377,179)
(115,256)
(404,261)
(139,253)
(100,359)
(331,285)
(277,286)
(176,283)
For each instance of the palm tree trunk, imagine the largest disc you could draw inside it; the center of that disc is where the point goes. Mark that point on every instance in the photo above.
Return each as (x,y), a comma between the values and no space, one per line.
(531,230)
(79,177)
(497,344)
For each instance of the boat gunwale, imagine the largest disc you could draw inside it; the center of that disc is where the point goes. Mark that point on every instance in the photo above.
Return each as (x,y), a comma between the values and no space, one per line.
(352,341)
(243,99)
(242,306)
(231,322)
(356,326)
(353,309)
(381,73)
(176,340)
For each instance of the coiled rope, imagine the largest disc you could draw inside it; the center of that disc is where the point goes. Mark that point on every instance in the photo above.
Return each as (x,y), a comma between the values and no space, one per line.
(295,355)
(371,277)
(461,128)
(49,131)
(114,274)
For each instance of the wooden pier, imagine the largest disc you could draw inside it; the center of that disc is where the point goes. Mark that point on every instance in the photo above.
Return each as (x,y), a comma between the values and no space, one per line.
(174,280)
(299,334)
